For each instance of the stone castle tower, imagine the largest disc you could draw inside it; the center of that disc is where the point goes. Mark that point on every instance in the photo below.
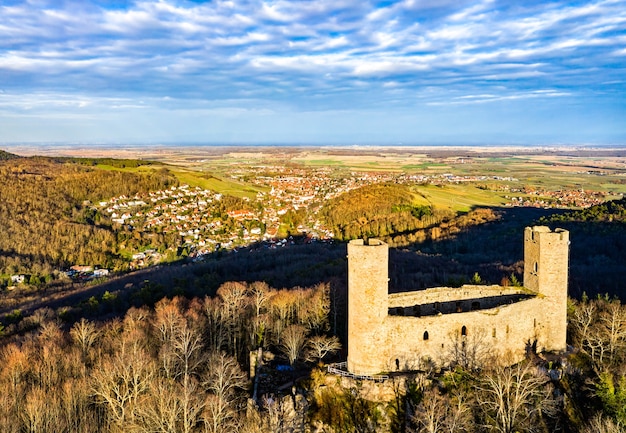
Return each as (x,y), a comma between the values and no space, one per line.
(546,264)
(368,278)
(401,331)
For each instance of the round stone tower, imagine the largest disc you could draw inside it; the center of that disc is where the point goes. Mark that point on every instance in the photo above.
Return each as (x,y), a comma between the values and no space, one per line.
(368,278)
(546,266)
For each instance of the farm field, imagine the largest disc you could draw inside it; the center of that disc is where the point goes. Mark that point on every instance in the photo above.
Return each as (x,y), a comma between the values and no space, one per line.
(213,167)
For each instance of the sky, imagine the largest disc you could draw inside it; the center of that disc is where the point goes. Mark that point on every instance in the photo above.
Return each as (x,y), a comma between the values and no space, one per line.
(313,72)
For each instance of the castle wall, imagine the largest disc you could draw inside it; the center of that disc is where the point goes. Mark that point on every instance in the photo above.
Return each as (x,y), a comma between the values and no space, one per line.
(502,332)
(498,320)
(454,300)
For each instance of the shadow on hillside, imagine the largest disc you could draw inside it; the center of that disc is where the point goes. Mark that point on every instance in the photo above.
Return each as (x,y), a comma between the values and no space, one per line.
(493,250)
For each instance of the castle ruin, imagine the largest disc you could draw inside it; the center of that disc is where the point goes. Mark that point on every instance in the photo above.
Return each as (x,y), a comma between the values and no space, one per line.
(403,331)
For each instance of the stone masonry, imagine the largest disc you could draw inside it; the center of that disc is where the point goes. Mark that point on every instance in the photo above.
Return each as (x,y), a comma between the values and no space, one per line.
(406,331)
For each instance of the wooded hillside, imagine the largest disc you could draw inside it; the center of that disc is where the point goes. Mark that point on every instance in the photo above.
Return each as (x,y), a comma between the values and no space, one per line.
(183,366)
(45,218)
(379,210)
(598,236)
(609,211)
(6,155)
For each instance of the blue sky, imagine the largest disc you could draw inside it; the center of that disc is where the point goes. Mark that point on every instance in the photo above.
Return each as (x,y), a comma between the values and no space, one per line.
(322,71)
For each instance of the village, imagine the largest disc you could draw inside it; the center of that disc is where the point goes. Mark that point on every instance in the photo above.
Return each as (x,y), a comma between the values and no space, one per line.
(204,222)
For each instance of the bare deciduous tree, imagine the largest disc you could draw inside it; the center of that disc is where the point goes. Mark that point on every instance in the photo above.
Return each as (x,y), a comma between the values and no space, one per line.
(76,403)
(613,321)
(601,424)
(84,334)
(41,412)
(512,399)
(260,294)
(120,382)
(438,413)
(314,315)
(599,328)
(282,308)
(168,319)
(470,351)
(216,332)
(224,379)
(292,343)
(170,407)
(234,300)
(583,316)
(320,345)
(219,416)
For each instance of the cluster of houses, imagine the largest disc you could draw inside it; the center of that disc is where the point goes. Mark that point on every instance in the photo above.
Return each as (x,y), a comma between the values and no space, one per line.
(562,199)
(192,213)
(197,216)
(86,272)
(76,273)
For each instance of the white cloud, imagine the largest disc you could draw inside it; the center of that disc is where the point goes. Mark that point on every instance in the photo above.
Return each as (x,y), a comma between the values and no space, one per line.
(242,39)
(323,52)
(273,12)
(505,96)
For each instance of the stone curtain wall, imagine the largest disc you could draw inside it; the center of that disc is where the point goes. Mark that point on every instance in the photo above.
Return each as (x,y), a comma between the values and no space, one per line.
(501,332)
(411,339)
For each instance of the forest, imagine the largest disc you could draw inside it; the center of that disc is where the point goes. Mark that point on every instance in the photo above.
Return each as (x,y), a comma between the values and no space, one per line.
(380,210)
(240,341)
(4,156)
(185,366)
(46,221)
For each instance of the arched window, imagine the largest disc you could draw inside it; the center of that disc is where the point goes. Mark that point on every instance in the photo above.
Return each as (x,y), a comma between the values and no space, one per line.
(425,335)
(464,331)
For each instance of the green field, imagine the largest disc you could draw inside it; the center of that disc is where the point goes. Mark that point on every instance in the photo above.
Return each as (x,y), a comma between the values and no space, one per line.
(197,178)
(460,198)
(551,172)
(217,184)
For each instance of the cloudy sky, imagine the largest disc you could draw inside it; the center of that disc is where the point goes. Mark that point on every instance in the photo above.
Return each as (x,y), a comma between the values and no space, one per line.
(313,71)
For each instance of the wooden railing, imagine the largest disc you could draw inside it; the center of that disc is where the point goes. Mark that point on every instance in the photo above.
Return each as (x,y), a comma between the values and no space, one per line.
(341,369)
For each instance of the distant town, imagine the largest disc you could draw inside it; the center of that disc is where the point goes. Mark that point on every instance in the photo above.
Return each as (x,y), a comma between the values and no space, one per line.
(197,216)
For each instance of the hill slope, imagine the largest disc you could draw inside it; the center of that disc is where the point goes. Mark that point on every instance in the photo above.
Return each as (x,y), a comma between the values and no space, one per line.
(45,218)
(4,156)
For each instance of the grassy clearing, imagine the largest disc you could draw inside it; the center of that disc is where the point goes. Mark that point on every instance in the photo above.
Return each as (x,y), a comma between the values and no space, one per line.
(323,162)
(196,178)
(614,188)
(425,167)
(213,183)
(460,198)
(140,169)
